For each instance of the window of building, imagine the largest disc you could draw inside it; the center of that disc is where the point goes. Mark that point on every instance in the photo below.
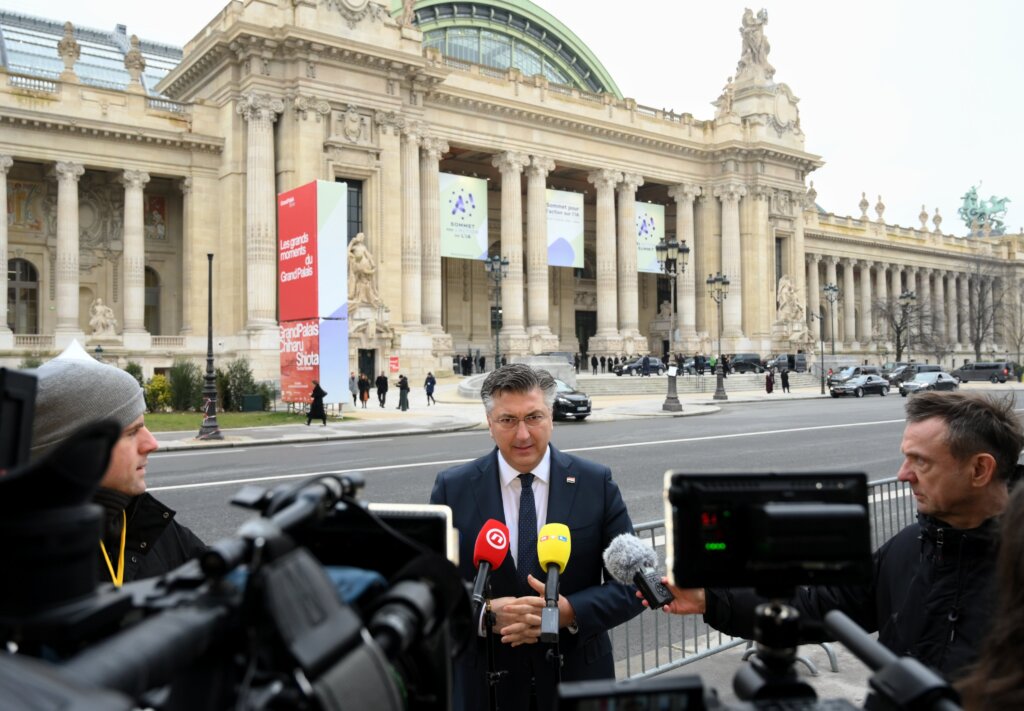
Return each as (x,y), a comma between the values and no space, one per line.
(151,314)
(495,50)
(355,206)
(22,297)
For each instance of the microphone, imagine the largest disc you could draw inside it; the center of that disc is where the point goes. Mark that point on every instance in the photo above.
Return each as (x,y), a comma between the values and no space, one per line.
(553,546)
(630,560)
(488,554)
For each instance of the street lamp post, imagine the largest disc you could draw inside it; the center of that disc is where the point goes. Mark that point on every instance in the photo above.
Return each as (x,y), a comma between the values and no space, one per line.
(673,257)
(821,354)
(497,269)
(907,300)
(718,289)
(831,292)
(209,429)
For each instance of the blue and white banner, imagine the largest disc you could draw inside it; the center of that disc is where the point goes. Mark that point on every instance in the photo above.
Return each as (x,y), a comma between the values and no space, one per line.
(565,229)
(650,230)
(463,216)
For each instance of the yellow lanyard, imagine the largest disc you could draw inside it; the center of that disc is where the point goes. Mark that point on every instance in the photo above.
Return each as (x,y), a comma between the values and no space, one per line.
(119,577)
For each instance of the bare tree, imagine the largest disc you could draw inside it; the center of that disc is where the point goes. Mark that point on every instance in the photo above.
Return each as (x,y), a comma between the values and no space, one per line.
(1013,318)
(986,301)
(904,322)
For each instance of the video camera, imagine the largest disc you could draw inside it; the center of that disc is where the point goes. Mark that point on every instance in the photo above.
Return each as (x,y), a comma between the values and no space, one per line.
(320,602)
(771,532)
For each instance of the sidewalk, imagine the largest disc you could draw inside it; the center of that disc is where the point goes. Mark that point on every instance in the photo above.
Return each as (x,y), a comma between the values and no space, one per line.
(454,413)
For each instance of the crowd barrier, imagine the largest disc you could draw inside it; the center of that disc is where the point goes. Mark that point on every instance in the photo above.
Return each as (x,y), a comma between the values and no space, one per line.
(651,644)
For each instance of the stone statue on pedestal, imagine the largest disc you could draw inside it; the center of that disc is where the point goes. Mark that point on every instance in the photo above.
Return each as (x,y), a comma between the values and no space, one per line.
(361,271)
(101,320)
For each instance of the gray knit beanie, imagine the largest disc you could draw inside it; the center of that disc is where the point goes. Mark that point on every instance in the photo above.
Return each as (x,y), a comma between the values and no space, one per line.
(73,392)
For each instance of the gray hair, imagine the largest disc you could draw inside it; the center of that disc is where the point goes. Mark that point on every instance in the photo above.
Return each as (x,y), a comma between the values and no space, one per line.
(517,378)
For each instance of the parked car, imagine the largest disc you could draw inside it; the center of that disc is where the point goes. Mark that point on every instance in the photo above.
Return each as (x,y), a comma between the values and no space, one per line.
(995,372)
(745,366)
(566,355)
(737,358)
(853,371)
(860,386)
(907,372)
(570,402)
(795,362)
(890,366)
(928,381)
(636,367)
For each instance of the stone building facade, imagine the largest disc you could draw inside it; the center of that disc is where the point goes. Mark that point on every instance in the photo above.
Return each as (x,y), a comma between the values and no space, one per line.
(119,183)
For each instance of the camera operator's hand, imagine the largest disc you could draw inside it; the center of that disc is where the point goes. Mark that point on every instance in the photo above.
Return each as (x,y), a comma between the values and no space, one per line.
(685,601)
(518,619)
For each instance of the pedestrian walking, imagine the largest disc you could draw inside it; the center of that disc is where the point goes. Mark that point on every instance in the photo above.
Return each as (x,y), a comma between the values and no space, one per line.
(603,364)
(353,387)
(428,385)
(483,364)
(316,408)
(785,381)
(769,382)
(403,393)
(645,367)
(593,363)
(382,388)
(364,389)
(576,363)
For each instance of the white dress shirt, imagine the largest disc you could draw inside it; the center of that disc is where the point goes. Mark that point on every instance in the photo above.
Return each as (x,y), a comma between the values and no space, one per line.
(512,487)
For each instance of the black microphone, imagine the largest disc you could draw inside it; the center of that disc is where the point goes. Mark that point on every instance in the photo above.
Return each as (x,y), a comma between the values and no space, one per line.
(630,560)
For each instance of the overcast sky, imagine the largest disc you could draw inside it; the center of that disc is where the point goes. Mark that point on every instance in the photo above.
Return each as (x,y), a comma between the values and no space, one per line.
(913,100)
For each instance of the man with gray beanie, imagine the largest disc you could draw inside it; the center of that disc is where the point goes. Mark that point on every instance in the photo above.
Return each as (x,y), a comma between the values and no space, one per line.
(140,538)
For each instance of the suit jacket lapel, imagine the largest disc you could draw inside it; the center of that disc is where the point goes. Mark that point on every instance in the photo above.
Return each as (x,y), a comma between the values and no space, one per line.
(561,493)
(487,491)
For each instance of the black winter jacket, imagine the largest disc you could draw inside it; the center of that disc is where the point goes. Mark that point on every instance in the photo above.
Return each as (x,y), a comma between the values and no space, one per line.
(155,543)
(930,598)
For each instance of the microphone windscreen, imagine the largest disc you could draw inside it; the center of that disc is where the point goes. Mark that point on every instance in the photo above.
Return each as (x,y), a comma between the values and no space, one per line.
(627,555)
(491,544)
(554,545)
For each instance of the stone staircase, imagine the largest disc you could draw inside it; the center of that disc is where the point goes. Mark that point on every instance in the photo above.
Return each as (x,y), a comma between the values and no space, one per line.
(655,385)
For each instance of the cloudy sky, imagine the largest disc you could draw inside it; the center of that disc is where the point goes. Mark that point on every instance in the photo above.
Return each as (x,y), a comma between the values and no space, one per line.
(913,100)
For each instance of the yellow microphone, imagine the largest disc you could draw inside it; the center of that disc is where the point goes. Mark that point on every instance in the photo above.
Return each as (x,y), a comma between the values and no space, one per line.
(553,547)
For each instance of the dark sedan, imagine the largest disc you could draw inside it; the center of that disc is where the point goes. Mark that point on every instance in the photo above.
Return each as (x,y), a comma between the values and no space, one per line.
(860,386)
(928,381)
(636,367)
(570,402)
(745,366)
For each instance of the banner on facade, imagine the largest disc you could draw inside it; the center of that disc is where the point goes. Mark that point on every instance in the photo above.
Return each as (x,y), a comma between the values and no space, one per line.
(312,229)
(312,242)
(650,230)
(463,216)
(565,229)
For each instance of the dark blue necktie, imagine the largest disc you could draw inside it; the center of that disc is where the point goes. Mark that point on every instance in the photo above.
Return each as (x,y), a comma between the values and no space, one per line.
(527,552)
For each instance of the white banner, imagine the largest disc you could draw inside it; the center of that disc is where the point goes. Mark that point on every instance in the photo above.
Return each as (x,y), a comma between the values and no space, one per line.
(650,230)
(463,216)
(565,229)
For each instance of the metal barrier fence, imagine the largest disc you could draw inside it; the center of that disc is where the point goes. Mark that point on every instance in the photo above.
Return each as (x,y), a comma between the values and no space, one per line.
(651,644)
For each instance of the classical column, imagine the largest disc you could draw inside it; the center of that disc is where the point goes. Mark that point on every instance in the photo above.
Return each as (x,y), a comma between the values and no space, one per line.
(537,251)
(431,150)
(940,305)
(813,295)
(849,303)
(732,309)
(629,314)
(865,304)
(133,264)
(953,310)
(881,297)
(830,278)
(188,239)
(260,112)
(686,297)
(607,339)
(896,285)
(974,289)
(68,326)
(5,164)
(412,277)
(925,299)
(510,164)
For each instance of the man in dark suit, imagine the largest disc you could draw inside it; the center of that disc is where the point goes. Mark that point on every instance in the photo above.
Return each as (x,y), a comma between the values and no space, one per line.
(527,483)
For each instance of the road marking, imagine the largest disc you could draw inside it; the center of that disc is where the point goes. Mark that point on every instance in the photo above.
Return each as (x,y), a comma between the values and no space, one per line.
(456,434)
(448,462)
(204,453)
(333,442)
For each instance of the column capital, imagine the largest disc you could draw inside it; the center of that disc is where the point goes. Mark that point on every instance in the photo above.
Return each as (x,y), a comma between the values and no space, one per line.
(69,171)
(259,107)
(812,258)
(540,166)
(684,192)
(389,120)
(604,178)
(630,182)
(185,185)
(413,132)
(5,164)
(510,162)
(730,192)
(134,179)
(830,259)
(433,148)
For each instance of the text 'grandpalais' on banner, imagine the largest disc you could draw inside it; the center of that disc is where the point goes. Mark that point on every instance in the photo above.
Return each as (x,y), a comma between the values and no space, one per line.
(650,230)
(312,258)
(463,216)
(565,229)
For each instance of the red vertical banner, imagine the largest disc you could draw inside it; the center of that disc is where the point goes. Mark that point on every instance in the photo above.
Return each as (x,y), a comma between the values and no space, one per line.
(300,359)
(393,364)
(297,253)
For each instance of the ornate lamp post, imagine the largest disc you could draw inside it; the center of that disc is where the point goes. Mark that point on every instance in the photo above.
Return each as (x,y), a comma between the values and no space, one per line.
(907,301)
(821,353)
(718,289)
(209,429)
(831,292)
(673,257)
(497,269)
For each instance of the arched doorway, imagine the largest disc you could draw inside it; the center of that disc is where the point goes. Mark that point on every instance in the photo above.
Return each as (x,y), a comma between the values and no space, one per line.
(151,315)
(22,296)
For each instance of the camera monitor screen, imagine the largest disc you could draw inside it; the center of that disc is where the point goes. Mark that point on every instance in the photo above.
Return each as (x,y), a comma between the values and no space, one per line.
(768,531)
